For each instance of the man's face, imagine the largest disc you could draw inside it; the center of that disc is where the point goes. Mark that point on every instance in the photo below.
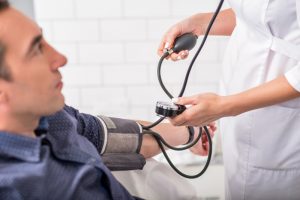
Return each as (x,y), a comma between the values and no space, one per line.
(35,87)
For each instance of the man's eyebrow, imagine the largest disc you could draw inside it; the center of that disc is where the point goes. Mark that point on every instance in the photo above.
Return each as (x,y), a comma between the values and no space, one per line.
(35,41)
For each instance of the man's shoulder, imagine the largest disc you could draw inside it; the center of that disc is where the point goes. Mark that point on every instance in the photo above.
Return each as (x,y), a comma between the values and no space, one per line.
(64,118)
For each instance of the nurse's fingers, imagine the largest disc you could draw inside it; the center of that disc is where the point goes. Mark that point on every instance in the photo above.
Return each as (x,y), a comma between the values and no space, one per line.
(204,141)
(184,119)
(178,120)
(199,151)
(175,57)
(201,148)
(212,127)
(184,54)
(167,40)
(205,147)
(164,44)
(187,116)
(211,133)
(179,56)
(185,100)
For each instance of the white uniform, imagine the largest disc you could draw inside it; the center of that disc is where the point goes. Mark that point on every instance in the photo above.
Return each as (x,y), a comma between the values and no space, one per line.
(262,147)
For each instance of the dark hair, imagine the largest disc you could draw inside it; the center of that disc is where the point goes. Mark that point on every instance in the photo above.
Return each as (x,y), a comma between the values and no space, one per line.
(4,70)
(3,4)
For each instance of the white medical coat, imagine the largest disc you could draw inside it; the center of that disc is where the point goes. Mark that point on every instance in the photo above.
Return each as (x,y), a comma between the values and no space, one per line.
(262,147)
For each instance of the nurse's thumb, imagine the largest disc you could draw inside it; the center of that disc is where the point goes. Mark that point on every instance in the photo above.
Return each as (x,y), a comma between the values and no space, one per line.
(170,37)
(183,100)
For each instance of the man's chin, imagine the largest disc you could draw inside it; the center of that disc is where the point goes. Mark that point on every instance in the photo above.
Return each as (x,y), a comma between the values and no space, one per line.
(57,106)
(60,104)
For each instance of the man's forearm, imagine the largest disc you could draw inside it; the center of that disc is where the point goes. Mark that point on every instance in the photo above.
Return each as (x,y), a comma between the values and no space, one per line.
(173,135)
(270,93)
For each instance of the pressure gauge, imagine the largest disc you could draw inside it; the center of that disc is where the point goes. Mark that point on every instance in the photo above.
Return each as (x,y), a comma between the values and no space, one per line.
(166,109)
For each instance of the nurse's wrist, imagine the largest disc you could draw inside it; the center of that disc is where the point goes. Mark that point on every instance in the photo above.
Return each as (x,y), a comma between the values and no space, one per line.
(231,105)
(199,23)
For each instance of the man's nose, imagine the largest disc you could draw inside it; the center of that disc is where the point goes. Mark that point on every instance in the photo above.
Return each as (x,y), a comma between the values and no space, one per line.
(59,60)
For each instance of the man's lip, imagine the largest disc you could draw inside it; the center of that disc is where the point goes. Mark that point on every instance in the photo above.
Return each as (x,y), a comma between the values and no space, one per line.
(59,85)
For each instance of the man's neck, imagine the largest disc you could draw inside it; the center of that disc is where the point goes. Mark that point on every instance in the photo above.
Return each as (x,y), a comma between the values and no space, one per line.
(23,125)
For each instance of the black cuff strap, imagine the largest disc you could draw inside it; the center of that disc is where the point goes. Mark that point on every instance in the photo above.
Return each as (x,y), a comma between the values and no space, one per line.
(121,162)
(120,135)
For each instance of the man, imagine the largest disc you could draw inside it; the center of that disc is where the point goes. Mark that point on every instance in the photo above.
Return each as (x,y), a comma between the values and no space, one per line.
(61,158)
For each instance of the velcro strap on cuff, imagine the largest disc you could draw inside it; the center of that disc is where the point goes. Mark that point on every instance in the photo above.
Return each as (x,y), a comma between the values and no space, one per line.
(120,135)
(120,161)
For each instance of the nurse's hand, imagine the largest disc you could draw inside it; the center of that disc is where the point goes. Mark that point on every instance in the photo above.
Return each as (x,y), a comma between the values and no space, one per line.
(201,110)
(189,25)
(202,147)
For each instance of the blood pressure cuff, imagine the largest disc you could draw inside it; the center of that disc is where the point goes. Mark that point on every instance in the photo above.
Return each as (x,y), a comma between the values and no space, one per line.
(122,144)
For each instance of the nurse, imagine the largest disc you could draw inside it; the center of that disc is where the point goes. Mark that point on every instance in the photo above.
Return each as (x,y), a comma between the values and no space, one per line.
(259,104)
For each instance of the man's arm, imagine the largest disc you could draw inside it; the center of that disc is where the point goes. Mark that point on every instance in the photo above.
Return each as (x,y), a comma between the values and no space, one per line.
(121,142)
(173,135)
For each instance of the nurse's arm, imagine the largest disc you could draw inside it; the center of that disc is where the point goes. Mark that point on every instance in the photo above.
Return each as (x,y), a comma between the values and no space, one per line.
(270,93)
(208,107)
(224,24)
(197,24)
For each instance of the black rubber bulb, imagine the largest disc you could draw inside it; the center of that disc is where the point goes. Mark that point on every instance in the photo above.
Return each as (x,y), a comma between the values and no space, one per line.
(186,41)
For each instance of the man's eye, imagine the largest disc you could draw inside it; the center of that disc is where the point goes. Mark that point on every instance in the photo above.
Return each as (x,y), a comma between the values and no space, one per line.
(38,49)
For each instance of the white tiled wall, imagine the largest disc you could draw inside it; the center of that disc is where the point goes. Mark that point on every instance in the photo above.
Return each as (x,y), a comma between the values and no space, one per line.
(111,48)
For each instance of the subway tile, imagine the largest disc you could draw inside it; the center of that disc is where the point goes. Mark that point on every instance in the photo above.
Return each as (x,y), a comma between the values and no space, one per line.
(101,53)
(146,95)
(81,76)
(158,27)
(125,75)
(75,30)
(72,96)
(189,7)
(141,52)
(145,8)
(54,9)
(105,100)
(123,30)
(95,9)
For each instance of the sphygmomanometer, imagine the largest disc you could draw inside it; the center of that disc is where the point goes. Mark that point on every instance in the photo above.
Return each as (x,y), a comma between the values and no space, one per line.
(168,109)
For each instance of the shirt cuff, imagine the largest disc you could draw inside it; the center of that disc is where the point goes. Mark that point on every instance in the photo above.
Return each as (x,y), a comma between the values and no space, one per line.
(293,77)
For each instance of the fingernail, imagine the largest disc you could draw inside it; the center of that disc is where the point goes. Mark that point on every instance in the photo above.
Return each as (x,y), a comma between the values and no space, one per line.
(174,100)
(167,45)
(179,58)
